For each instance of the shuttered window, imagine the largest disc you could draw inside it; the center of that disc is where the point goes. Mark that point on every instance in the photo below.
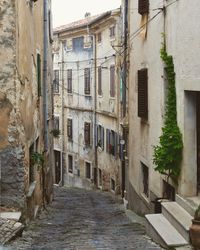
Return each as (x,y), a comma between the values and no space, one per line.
(87,133)
(56,81)
(143,7)
(111,142)
(69,80)
(112,31)
(100,136)
(143,93)
(99,81)
(112,81)
(39,74)
(99,37)
(69,129)
(70,164)
(87,81)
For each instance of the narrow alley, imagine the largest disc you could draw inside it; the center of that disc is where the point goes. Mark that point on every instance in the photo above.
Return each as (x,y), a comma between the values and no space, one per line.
(83,220)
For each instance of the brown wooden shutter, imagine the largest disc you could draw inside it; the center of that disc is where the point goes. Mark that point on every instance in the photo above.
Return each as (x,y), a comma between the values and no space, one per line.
(87,133)
(69,80)
(87,81)
(143,93)
(99,81)
(112,81)
(69,129)
(143,7)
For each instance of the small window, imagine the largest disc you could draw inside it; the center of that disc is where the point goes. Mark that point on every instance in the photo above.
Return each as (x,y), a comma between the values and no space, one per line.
(69,129)
(112,185)
(112,81)
(56,81)
(39,74)
(88,170)
(87,133)
(87,81)
(99,81)
(69,80)
(70,164)
(56,122)
(99,37)
(143,7)
(143,93)
(31,165)
(100,137)
(100,177)
(145,181)
(112,31)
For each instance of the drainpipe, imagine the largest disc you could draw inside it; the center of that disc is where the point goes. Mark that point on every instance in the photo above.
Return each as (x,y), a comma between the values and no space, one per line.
(45,74)
(45,84)
(95,110)
(125,57)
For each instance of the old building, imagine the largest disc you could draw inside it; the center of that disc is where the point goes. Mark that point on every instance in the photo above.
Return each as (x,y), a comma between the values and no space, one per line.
(86,98)
(25,105)
(154,25)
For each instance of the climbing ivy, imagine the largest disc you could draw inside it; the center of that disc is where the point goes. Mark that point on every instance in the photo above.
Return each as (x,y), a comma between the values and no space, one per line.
(168,154)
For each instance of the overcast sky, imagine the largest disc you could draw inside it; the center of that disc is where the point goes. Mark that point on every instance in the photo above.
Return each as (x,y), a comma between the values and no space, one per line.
(66,11)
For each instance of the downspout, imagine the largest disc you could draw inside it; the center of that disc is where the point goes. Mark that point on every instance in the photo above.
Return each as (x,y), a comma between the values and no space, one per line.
(124,97)
(45,73)
(95,110)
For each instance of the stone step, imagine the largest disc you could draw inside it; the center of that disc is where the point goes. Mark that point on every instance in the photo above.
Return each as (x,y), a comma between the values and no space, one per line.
(162,232)
(178,217)
(189,204)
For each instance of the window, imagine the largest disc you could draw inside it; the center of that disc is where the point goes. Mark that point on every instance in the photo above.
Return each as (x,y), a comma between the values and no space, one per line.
(69,80)
(100,137)
(143,93)
(56,122)
(87,133)
(99,81)
(88,170)
(145,181)
(112,81)
(70,164)
(112,184)
(69,129)
(143,6)
(56,81)
(111,142)
(99,37)
(87,81)
(112,31)
(39,74)
(100,177)
(31,165)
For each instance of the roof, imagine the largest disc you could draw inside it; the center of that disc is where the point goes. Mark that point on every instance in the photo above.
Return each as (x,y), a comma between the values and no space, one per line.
(81,23)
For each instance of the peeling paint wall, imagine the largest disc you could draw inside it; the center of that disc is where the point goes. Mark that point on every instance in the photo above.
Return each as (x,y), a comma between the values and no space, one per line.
(21,107)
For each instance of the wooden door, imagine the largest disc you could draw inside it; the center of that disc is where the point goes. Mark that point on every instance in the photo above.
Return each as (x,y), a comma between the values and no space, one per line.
(198,139)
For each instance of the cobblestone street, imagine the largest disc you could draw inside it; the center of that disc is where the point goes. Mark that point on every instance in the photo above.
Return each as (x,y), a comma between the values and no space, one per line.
(82,220)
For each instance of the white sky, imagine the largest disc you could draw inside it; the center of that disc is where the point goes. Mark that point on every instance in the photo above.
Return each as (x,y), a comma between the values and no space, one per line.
(66,11)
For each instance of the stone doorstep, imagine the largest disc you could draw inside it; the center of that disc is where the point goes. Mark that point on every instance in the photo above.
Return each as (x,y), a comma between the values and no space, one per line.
(9,229)
(11,215)
(178,217)
(170,236)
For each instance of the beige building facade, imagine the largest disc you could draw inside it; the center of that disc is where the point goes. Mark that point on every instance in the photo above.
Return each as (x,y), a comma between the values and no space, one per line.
(146,29)
(26,105)
(86,65)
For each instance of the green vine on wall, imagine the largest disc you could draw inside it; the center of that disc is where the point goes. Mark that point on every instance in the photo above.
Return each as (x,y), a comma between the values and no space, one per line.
(168,154)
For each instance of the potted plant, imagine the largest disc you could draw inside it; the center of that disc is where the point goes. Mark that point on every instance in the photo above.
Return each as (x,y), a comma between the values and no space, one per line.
(55,133)
(195,229)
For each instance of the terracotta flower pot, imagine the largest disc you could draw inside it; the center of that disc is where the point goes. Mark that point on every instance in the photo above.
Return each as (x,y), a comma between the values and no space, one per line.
(195,234)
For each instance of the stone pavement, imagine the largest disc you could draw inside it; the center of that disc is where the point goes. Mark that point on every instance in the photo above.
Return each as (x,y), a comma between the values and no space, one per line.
(9,228)
(80,219)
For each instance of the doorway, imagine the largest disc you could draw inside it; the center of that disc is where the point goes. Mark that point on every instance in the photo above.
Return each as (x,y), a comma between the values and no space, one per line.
(198,139)
(57,166)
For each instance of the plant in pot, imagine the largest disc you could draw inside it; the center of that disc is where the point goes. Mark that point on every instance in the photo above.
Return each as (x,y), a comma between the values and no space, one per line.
(55,133)
(195,229)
